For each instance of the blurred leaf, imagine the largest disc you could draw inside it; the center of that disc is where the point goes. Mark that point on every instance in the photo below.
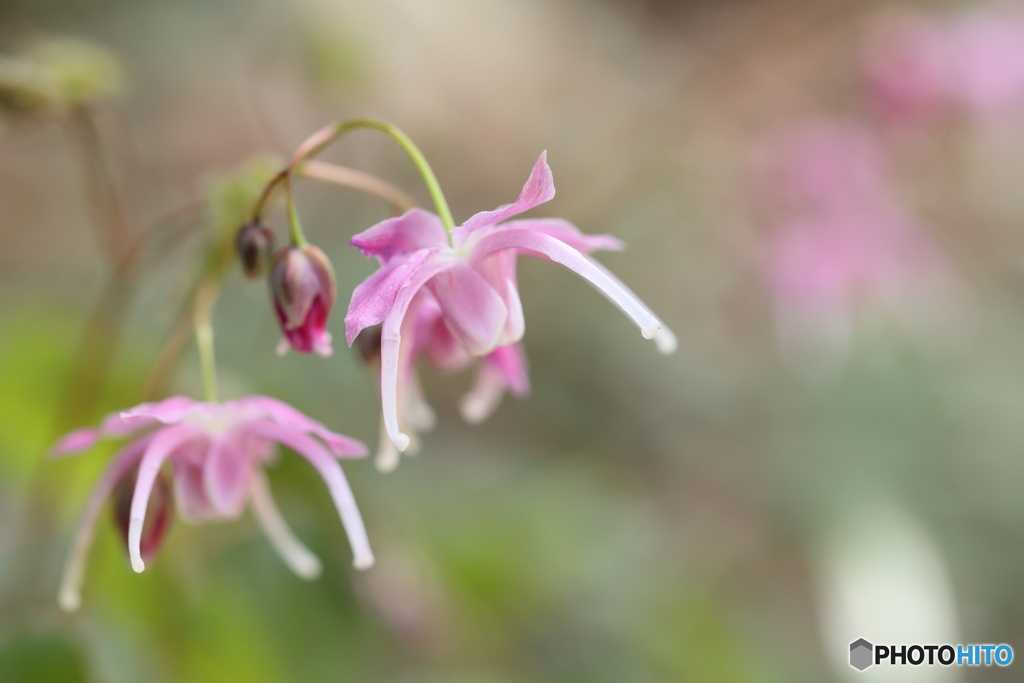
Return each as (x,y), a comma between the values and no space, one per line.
(81,71)
(35,352)
(41,658)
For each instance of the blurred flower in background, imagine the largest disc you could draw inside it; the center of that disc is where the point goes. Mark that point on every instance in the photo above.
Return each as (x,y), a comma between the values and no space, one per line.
(216,453)
(842,240)
(710,517)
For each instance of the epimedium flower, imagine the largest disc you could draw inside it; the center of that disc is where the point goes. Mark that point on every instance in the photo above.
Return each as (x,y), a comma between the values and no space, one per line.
(472,281)
(302,290)
(216,453)
(502,371)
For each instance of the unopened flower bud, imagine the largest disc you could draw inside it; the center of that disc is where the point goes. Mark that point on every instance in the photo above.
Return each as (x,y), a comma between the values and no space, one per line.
(254,244)
(157,521)
(302,288)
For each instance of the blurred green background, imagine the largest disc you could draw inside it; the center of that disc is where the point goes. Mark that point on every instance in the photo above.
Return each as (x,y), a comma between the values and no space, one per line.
(723,514)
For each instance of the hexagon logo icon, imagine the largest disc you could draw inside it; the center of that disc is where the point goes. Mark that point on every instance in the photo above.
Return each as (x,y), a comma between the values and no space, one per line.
(861,654)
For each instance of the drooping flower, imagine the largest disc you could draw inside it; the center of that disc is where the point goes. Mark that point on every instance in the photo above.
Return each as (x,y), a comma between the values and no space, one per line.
(503,370)
(302,291)
(216,453)
(472,281)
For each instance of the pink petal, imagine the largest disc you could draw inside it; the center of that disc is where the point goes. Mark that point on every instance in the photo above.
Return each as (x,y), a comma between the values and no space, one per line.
(125,423)
(190,494)
(154,530)
(414,230)
(71,581)
(391,344)
(438,344)
(333,476)
(164,444)
(78,440)
(538,189)
(499,269)
(169,411)
(510,362)
(286,415)
(607,284)
(310,335)
(298,558)
(473,311)
(564,231)
(373,300)
(227,474)
(501,370)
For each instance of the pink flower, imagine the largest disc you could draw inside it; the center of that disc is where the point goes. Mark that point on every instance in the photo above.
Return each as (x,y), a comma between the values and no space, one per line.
(987,62)
(216,453)
(302,290)
(502,370)
(472,281)
(840,243)
(906,64)
(822,163)
(915,65)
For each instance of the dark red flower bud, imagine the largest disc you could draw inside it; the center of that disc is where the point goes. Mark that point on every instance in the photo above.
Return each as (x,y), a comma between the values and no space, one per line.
(302,289)
(254,244)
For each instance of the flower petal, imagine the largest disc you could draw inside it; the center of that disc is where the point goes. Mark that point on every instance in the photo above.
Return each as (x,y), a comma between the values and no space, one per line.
(564,231)
(227,473)
(190,495)
(510,363)
(414,230)
(333,476)
(433,338)
(597,275)
(124,423)
(387,454)
(69,595)
(284,414)
(298,558)
(499,269)
(169,411)
(502,369)
(538,189)
(76,441)
(163,445)
(374,298)
(391,345)
(473,311)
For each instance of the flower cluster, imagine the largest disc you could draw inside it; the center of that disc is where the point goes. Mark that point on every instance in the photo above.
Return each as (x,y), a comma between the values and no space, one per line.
(443,293)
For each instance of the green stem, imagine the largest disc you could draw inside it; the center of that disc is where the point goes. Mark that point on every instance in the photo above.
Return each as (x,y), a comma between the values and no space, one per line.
(324,137)
(204,343)
(410,148)
(294,226)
